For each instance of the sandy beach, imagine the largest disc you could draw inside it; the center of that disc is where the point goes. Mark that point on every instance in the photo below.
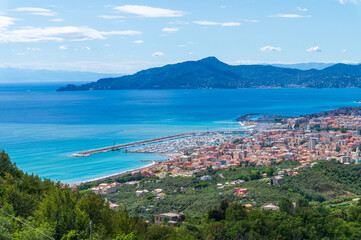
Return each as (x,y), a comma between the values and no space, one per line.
(116,175)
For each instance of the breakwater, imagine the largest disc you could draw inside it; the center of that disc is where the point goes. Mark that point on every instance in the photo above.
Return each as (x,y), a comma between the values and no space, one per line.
(149,141)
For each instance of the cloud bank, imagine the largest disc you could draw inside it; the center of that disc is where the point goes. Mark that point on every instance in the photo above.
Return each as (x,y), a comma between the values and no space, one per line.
(66,33)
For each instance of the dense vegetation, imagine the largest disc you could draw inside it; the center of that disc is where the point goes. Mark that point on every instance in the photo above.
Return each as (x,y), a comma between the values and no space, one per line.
(211,73)
(56,211)
(328,181)
(31,207)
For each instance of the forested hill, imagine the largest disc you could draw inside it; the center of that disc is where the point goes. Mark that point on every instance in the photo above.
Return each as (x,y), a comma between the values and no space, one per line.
(36,209)
(211,73)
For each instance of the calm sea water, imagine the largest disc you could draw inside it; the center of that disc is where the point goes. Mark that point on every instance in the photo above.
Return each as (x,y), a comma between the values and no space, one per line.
(39,127)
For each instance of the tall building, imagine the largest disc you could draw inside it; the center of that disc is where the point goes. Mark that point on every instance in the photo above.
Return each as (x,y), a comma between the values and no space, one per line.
(312,143)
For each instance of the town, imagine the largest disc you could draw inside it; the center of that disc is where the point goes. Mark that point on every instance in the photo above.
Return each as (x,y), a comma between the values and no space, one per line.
(297,139)
(334,135)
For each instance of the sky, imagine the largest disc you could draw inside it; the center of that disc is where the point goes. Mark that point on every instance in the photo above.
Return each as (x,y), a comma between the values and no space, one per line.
(125,36)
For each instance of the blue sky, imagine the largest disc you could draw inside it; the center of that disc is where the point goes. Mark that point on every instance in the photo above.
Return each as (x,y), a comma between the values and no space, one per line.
(120,36)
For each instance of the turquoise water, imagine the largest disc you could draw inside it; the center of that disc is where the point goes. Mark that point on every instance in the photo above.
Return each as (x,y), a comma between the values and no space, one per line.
(39,127)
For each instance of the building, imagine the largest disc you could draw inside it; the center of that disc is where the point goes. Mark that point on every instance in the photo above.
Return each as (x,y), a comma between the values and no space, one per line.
(106,188)
(312,143)
(141,192)
(270,207)
(170,218)
(240,191)
(184,159)
(206,177)
(277,180)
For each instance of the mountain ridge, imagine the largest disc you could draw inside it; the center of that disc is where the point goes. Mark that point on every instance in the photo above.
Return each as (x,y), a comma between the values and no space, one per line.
(209,73)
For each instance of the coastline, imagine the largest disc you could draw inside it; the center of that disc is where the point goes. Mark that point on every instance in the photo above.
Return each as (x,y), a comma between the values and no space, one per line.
(116,175)
(112,176)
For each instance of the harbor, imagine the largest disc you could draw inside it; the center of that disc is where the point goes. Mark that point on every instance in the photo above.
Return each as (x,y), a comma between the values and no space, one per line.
(177,147)
(154,140)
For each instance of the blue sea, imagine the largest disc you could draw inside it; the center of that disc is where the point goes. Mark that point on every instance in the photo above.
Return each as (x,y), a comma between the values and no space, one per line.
(40,127)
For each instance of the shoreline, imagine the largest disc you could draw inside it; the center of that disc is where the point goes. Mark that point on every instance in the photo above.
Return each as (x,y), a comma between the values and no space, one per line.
(115,175)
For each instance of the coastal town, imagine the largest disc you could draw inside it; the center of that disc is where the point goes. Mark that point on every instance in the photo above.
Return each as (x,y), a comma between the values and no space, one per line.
(333,135)
(301,139)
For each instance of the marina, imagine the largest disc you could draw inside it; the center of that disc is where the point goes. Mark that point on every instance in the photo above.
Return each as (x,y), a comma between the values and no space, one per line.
(154,140)
(177,147)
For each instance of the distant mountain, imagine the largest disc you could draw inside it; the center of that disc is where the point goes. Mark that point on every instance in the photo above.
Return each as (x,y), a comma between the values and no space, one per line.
(15,75)
(212,73)
(305,66)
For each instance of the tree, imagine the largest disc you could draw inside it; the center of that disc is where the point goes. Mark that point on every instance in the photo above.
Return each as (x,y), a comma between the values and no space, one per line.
(216,230)
(6,166)
(269,171)
(235,212)
(159,232)
(301,202)
(59,208)
(285,205)
(219,213)
(216,214)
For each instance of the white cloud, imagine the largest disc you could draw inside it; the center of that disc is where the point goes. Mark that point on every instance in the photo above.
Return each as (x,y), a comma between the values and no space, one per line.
(6,22)
(289,15)
(34,49)
(348,1)
(151,12)
(67,47)
(46,14)
(178,22)
(344,50)
(69,33)
(207,23)
(230,24)
(36,11)
(170,30)
(57,20)
(314,49)
(122,33)
(270,49)
(111,17)
(31,9)
(223,24)
(301,9)
(138,41)
(251,20)
(158,54)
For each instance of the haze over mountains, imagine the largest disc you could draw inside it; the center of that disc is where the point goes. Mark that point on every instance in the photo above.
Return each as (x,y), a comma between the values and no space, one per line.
(210,73)
(305,66)
(17,75)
